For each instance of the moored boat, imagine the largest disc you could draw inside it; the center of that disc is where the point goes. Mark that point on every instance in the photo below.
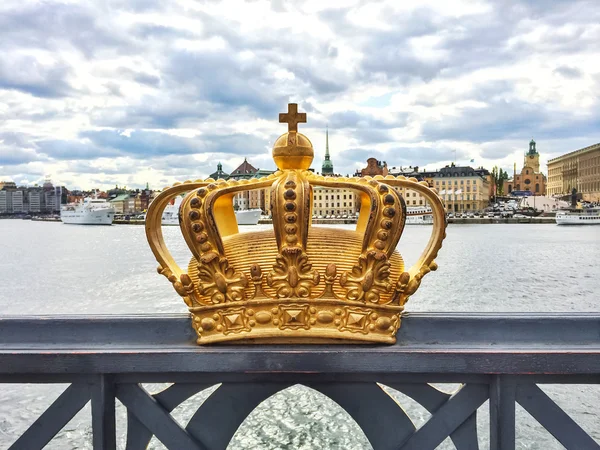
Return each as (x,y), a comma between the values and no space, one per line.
(248,216)
(419,215)
(587,216)
(171,213)
(91,211)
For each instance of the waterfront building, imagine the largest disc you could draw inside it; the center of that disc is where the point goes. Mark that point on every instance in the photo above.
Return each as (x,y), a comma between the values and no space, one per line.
(411,198)
(579,169)
(334,201)
(18,205)
(375,167)
(7,185)
(12,199)
(530,178)
(145,198)
(463,189)
(5,201)
(133,204)
(34,199)
(120,203)
(52,200)
(253,199)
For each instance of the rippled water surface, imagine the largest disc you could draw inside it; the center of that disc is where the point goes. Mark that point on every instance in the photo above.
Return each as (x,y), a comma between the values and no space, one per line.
(51,268)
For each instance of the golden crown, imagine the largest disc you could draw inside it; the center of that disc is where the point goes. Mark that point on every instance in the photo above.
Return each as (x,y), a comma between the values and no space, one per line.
(296,282)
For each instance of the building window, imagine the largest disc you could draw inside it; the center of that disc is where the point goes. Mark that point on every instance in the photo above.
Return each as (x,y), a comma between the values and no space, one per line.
(537,187)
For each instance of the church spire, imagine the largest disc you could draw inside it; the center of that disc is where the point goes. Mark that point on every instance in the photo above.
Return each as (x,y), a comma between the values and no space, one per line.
(327,142)
(327,167)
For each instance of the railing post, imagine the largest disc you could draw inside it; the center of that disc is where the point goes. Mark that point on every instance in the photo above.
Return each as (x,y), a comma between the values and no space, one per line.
(103,413)
(502,413)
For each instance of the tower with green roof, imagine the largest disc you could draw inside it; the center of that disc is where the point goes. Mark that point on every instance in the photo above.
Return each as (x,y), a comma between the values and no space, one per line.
(327,167)
(532,158)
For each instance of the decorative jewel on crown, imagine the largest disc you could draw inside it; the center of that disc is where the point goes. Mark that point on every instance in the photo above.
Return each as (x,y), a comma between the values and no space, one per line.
(286,284)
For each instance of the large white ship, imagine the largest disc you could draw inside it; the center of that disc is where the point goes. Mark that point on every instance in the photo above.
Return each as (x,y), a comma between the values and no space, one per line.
(91,211)
(419,215)
(588,216)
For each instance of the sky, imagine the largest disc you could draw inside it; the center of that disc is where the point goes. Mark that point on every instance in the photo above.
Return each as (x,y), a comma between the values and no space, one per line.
(104,92)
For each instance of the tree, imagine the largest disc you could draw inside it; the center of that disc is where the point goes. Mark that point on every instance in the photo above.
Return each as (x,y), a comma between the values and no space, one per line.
(499,176)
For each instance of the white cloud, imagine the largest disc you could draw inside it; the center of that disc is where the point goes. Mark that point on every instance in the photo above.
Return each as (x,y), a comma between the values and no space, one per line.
(134,92)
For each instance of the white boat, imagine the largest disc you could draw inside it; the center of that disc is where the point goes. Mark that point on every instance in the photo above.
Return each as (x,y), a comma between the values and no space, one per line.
(91,211)
(248,216)
(588,216)
(419,215)
(170,214)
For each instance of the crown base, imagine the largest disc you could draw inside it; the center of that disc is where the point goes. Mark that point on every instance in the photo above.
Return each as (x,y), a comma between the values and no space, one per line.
(296,320)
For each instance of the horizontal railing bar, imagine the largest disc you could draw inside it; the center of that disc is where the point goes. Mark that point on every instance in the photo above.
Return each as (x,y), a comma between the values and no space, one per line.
(299,362)
(216,378)
(425,330)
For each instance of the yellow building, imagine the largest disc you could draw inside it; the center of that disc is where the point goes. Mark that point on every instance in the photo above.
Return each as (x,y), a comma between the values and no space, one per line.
(411,198)
(579,170)
(334,201)
(463,189)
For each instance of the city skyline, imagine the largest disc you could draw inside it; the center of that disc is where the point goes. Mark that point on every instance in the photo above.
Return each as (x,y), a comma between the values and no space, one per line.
(149,92)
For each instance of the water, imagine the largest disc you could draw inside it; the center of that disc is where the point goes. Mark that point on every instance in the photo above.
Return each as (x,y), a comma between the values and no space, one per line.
(51,268)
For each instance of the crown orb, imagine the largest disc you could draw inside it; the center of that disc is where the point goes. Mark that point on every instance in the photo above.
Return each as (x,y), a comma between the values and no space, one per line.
(293,150)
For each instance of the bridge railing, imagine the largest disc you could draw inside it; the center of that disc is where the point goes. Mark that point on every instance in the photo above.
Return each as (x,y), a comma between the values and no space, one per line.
(500,358)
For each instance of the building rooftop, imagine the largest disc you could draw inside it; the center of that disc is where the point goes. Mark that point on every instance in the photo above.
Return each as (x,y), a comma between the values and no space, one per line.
(219,174)
(120,198)
(581,150)
(244,170)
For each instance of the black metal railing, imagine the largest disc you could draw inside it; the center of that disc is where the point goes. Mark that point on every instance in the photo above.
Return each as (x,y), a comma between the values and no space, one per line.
(500,358)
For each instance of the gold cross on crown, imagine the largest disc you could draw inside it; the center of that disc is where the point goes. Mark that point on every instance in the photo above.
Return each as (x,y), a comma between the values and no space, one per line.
(292,117)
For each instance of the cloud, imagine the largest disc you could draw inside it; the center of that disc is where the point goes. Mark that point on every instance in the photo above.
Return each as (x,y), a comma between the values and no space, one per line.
(133,91)
(55,26)
(144,144)
(27,74)
(569,72)
(358,120)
